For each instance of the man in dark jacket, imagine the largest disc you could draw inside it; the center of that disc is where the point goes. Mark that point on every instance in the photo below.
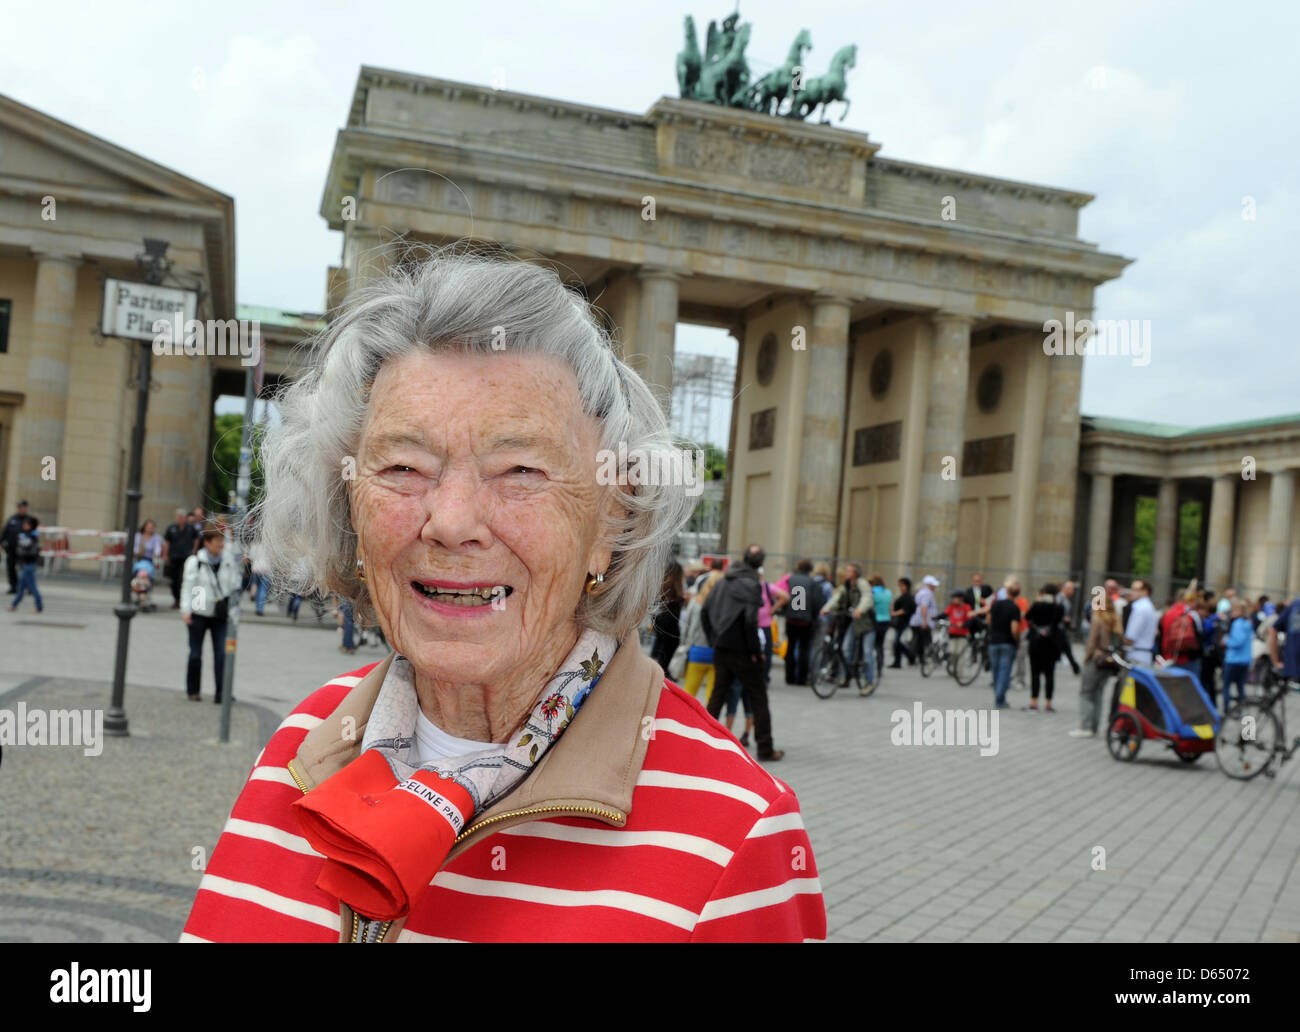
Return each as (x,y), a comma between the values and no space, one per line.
(9,538)
(730,619)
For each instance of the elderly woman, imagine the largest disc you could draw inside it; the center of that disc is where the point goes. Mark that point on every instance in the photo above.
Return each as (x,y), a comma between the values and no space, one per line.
(517,769)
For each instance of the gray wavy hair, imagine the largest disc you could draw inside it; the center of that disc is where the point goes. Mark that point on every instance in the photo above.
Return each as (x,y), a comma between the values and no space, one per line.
(460,303)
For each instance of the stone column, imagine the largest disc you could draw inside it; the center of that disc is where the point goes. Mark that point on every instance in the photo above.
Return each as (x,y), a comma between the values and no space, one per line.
(1281,513)
(945,434)
(366,252)
(1028,453)
(1058,464)
(45,405)
(1162,553)
(821,454)
(1103,494)
(656,333)
(1218,552)
(1124,525)
(737,331)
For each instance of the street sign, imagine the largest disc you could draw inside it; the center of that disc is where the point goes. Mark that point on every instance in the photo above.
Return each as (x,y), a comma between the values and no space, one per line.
(131,309)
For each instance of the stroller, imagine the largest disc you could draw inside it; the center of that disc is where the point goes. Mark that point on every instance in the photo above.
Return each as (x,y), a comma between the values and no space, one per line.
(142,578)
(1166,705)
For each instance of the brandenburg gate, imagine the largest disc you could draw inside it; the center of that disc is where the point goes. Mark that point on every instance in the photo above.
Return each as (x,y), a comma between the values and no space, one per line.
(893,398)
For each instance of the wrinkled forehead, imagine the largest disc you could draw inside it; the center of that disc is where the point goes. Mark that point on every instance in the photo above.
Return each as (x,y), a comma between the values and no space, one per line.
(498,402)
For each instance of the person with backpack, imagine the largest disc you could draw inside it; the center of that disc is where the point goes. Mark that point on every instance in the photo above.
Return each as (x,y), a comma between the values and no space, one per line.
(730,620)
(805,595)
(27,556)
(208,580)
(1180,633)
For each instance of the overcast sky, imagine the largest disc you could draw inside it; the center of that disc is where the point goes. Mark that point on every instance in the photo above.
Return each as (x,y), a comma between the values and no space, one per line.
(1171,114)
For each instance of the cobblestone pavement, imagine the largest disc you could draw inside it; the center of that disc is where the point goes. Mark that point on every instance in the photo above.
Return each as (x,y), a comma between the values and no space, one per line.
(913,842)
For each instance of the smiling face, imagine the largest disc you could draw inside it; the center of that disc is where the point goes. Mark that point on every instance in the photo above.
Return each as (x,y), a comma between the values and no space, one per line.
(478,513)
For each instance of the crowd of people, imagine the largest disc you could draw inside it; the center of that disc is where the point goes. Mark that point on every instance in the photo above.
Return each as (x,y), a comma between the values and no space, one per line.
(715,631)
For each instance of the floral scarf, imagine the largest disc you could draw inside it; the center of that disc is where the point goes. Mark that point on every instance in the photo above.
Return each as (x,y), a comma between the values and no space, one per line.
(386,825)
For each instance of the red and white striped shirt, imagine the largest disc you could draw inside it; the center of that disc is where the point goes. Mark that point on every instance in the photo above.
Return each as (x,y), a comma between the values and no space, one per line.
(714,849)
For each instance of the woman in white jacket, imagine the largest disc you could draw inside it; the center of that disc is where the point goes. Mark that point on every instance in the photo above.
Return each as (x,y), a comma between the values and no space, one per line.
(208,581)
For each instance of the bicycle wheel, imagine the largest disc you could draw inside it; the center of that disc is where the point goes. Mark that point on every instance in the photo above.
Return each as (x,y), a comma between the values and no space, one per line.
(1247,740)
(970,660)
(826,670)
(1124,737)
(929,658)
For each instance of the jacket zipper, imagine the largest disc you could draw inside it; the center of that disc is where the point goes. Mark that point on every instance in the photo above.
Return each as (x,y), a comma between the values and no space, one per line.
(576,810)
(361,926)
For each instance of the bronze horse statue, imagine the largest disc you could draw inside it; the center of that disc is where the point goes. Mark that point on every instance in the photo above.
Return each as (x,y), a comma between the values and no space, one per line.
(726,79)
(826,89)
(689,62)
(769,92)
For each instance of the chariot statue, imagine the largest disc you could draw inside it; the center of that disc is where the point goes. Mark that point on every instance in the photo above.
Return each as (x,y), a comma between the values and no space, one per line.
(721,75)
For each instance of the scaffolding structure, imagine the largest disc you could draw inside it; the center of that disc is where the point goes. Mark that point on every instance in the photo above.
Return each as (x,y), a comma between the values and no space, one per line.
(702,389)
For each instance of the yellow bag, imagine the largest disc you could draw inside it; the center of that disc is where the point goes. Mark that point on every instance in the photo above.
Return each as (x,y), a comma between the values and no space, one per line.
(779,644)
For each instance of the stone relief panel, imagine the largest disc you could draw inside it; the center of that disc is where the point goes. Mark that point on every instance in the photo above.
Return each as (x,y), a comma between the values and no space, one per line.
(988,455)
(882,443)
(762,429)
(405,186)
(762,161)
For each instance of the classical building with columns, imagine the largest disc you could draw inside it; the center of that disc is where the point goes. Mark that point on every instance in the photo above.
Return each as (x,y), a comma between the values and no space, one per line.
(894,400)
(75,209)
(1239,479)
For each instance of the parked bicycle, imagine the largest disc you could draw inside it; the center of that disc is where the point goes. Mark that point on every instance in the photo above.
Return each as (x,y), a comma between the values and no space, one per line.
(1252,736)
(829,670)
(972,656)
(939,652)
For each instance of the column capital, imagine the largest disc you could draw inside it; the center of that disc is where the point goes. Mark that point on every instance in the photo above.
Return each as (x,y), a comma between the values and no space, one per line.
(49,254)
(943,316)
(660,272)
(828,297)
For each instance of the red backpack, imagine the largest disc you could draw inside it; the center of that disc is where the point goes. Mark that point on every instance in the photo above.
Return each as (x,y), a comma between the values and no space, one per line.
(1181,639)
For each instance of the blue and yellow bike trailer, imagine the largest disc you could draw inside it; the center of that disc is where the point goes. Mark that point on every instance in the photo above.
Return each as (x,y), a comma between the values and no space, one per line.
(1167,705)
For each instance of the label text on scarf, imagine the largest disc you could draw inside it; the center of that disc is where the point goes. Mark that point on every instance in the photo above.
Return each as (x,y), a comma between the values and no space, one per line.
(441,804)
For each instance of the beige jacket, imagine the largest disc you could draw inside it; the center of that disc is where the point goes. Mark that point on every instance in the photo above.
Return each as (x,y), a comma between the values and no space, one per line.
(590,771)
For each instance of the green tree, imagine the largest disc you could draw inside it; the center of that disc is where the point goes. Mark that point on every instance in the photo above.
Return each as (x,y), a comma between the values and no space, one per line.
(715,462)
(1187,556)
(223,472)
(1144,536)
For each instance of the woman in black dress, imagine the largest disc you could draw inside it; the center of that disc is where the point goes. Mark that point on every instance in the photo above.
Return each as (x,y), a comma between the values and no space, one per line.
(1044,618)
(667,621)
